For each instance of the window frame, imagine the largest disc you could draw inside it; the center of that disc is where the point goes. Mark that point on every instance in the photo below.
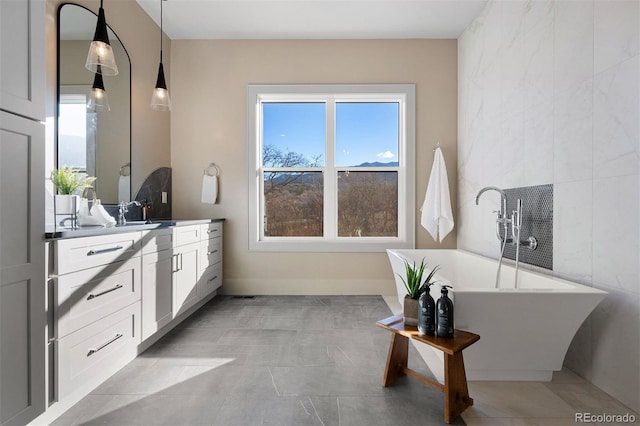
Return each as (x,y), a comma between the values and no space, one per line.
(330,94)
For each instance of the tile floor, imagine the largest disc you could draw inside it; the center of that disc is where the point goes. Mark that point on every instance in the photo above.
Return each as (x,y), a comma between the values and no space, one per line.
(306,360)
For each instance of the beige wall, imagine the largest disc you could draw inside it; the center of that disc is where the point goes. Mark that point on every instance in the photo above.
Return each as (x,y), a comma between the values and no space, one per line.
(208,123)
(150,130)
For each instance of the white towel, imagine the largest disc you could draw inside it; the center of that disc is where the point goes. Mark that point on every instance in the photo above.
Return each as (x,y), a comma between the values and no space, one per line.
(437,217)
(98,217)
(124,188)
(209,189)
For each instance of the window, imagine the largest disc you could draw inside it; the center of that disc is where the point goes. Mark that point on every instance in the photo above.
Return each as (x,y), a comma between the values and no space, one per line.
(331,167)
(77,128)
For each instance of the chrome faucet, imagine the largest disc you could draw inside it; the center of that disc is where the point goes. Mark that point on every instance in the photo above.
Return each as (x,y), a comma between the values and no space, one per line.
(501,215)
(503,195)
(501,219)
(516,225)
(123,207)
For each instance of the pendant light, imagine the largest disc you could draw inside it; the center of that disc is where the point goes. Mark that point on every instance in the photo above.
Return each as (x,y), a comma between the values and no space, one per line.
(160,99)
(100,58)
(98,99)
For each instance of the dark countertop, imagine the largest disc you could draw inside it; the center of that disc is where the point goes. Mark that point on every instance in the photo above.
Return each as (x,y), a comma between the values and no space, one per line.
(131,226)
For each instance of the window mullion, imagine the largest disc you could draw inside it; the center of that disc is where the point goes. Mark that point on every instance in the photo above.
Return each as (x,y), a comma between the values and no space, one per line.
(330,181)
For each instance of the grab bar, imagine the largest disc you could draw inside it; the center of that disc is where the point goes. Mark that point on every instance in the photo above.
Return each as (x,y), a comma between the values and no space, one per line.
(93,296)
(104,345)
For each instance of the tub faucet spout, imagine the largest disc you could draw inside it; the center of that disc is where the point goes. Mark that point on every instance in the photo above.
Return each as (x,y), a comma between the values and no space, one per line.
(503,196)
(502,219)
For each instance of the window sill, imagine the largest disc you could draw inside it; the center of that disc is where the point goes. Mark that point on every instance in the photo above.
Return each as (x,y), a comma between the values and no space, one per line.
(306,244)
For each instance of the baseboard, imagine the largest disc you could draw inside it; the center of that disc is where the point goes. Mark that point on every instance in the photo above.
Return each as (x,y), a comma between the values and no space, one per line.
(307,287)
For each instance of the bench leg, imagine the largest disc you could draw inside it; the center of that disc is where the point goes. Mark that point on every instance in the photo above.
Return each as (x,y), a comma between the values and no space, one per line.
(456,393)
(397,359)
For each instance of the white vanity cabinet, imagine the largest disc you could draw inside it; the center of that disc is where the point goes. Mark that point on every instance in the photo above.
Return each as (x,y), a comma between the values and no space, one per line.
(97,306)
(115,294)
(210,258)
(181,267)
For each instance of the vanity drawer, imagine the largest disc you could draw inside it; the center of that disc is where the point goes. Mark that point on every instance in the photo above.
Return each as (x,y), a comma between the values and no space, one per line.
(186,234)
(157,240)
(210,252)
(89,295)
(211,230)
(91,355)
(75,254)
(210,280)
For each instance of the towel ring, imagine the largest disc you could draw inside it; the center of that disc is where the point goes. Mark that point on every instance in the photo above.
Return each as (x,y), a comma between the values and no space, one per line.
(125,170)
(207,171)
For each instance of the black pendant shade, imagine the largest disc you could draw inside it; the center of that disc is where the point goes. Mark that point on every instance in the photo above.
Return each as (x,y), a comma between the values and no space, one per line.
(101,28)
(161,83)
(98,99)
(100,58)
(160,99)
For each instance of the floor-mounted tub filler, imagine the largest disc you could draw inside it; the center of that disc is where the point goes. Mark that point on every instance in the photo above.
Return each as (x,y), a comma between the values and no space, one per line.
(524,332)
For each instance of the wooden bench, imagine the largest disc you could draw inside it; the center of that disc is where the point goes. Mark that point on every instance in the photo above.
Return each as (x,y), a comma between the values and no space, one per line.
(456,393)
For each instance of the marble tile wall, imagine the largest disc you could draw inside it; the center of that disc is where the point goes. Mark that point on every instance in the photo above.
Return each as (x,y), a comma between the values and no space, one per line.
(549,93)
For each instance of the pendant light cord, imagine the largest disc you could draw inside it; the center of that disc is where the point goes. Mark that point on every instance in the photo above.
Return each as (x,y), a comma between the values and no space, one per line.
(160,30)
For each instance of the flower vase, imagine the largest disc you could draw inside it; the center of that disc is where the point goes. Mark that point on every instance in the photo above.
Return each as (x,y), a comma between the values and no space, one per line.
(66,204)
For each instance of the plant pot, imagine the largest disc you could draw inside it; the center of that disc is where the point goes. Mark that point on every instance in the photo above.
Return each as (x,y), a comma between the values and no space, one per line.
(410,311)
(66,204)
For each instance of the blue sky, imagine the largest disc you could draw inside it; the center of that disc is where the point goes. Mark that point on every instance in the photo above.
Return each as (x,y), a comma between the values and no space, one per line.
(365,132)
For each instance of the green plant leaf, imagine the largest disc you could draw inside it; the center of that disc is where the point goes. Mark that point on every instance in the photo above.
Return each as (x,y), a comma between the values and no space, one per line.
(413,275)
(68,180)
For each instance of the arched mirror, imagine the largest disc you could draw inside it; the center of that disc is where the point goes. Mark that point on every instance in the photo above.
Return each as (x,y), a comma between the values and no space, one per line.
(95,141)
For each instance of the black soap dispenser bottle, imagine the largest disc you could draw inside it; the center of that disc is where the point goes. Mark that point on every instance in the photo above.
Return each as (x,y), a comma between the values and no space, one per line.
(444,314)
(426,312)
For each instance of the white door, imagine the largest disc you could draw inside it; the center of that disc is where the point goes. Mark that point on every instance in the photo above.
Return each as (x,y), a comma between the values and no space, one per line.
(22,57)
(186,277)
(22,272)
(157,291)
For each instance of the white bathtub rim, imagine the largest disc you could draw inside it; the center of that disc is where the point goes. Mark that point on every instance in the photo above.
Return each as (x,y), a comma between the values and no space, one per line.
(569,287)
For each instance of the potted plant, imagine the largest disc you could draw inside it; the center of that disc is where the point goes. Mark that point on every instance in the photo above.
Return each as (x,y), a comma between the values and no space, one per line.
(412,282)
(68,181)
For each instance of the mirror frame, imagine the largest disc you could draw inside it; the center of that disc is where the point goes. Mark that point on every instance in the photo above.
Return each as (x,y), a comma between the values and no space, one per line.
(57,105)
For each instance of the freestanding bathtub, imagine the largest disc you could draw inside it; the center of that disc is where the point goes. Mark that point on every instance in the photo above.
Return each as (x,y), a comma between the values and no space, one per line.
(524,332)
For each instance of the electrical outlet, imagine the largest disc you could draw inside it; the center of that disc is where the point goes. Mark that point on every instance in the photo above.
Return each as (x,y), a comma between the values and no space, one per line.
(164,197)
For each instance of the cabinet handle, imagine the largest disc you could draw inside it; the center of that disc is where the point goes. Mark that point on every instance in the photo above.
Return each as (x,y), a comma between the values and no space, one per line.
(174,268)
(106,250)
(212,230)
(211,252)
(213,279)
(93,296)
(181,261)
(104,345)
